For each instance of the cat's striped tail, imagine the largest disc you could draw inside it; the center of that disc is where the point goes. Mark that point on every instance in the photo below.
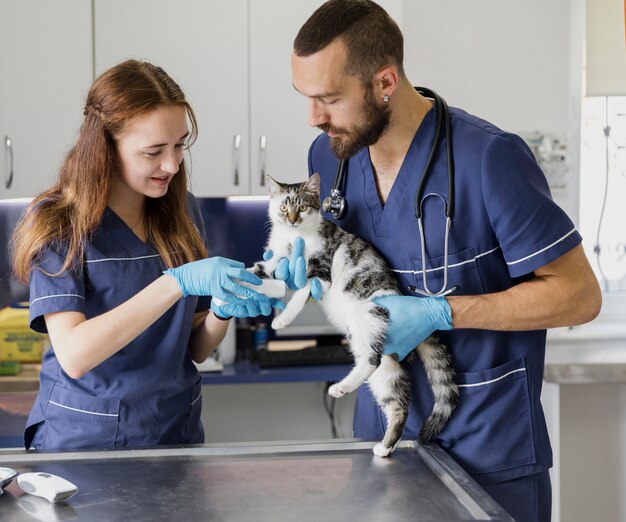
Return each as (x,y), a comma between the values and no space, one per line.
(438,365)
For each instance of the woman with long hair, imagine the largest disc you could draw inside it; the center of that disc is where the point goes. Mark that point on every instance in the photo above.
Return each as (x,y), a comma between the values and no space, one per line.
(116,257)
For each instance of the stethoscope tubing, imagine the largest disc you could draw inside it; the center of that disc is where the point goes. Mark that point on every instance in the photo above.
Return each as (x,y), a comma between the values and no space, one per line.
(443,120)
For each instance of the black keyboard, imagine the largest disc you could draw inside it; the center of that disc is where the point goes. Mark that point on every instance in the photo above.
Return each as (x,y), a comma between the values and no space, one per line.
(325,354)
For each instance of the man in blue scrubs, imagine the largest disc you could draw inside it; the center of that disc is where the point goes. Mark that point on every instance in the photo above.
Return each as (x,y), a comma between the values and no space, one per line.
(514,254)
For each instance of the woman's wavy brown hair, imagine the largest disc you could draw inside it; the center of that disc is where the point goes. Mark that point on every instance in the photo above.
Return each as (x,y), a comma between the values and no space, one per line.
(73,207)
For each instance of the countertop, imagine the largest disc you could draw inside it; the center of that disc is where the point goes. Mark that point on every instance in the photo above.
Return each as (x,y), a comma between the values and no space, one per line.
(586,354)
(585,373)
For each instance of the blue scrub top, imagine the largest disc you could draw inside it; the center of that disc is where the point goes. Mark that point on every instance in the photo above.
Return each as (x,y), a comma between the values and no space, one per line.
(146,394)
(506,225)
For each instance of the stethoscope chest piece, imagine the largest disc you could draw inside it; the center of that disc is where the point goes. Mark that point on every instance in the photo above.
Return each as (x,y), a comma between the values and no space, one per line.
(335,204)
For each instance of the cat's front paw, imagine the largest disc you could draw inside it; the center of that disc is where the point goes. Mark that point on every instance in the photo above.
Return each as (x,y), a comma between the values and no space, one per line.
(336,390)
(258,269)
(381,451)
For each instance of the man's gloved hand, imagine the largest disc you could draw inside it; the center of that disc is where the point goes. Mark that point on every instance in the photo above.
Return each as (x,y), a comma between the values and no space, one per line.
(293,270)
(215,276)
(413,319)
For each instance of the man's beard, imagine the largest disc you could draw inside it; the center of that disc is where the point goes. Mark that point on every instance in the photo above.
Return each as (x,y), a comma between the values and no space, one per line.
(377,118)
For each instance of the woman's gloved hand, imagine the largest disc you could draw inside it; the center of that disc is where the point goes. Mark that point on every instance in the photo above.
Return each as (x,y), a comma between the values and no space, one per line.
(241,308)
(216,276)
(413,319)
(293,270)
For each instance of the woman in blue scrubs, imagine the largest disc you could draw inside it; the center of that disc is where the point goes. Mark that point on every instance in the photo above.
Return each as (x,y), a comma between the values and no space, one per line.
(514,254)
(95,247)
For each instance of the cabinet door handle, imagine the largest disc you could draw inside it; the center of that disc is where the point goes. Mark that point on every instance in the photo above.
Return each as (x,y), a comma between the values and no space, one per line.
(236,152)
(8,144)
(263,158)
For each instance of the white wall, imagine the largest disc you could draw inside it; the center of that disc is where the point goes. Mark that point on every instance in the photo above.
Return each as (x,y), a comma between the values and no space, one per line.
(504,60)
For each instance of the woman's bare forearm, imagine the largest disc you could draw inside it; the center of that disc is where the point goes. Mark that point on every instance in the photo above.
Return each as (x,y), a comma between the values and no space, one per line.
(207,336)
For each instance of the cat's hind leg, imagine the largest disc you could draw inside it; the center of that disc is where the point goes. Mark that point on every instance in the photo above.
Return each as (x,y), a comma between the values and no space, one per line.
(366,344)
(363,368)
(391,388)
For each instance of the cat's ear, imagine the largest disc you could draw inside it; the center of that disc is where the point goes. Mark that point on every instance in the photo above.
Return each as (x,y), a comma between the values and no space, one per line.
(313,185)
(274,187)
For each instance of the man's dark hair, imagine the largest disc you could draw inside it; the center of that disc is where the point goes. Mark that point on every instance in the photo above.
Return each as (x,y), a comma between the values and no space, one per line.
(372,38)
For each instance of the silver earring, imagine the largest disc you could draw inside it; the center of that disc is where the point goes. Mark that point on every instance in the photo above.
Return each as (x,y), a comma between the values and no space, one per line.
(386,98)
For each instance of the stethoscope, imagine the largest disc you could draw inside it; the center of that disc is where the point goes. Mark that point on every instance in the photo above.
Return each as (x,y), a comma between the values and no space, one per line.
(336,204)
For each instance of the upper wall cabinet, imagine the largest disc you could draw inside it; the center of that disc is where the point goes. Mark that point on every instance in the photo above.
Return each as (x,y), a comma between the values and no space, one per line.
(232,60)
(279,132)
(45,71)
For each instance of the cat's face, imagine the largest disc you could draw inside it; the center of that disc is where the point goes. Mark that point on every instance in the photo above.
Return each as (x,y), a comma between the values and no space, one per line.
(295,205)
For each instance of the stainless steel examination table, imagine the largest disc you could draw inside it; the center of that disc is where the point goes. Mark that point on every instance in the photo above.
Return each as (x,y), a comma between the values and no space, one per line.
(317,481)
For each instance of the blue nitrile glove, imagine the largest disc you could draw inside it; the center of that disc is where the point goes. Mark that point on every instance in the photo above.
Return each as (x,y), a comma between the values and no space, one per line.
(241,308)
(293,270)
(413,319)
(215,276)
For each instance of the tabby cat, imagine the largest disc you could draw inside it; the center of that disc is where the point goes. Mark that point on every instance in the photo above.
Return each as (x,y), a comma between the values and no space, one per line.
(352,273)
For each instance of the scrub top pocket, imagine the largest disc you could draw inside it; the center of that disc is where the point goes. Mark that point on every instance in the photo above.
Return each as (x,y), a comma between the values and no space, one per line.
(494,406)
(74,420)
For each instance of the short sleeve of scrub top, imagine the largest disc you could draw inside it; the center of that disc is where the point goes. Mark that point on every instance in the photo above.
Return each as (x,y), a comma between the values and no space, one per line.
(65,292)
(531,230)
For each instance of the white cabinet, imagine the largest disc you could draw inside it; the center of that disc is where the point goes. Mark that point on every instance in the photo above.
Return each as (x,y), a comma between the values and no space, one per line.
(232,60)
(279,132)
(202,45)
(45,71)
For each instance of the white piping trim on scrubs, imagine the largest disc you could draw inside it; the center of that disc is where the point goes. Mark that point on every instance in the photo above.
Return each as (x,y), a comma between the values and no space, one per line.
(84,411)
(543,249)
(196,399)
(121,258)
(487,253)
(449,266)
(492,380)
(56,295)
